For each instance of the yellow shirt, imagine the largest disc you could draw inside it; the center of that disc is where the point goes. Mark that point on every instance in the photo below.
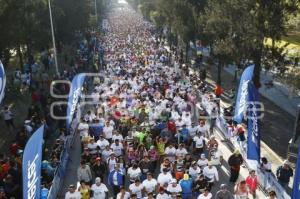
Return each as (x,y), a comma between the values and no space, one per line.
(161,148)
(85,193)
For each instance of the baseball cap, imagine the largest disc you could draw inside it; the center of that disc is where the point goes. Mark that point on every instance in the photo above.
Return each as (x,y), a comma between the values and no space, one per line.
(97,180)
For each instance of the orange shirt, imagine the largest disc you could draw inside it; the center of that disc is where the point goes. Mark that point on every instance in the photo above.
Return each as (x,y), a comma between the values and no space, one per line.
(218,91)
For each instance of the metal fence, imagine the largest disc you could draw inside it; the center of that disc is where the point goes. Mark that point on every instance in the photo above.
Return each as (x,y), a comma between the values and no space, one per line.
(267,181)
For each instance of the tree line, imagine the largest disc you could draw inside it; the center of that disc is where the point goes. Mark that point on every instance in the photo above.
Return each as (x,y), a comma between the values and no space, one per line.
(25,25)
(234,29)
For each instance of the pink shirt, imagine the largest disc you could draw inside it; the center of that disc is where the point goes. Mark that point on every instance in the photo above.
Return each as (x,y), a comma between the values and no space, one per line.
(252,183)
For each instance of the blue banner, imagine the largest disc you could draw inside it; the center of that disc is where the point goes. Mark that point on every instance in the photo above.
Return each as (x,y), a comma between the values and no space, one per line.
(31,167)
(242,96)
(296,186)
(74,95)
(2,82)
(254,115)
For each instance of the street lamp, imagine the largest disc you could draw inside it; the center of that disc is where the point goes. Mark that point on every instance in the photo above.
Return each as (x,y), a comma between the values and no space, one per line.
(96,14)
(53,37)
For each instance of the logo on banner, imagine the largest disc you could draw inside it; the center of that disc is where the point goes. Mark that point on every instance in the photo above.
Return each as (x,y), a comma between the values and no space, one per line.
(244,98)
(31,165)
(32,175)
(76,96)
(2,82)
(254,119)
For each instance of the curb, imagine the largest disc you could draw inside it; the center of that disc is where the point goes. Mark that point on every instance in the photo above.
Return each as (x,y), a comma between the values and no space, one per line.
(269,150)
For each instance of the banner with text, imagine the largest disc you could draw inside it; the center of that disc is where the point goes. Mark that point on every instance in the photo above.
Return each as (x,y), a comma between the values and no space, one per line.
(296,186)
(2,82)
(253,116)
(242,96)
(74,95)
(31,167)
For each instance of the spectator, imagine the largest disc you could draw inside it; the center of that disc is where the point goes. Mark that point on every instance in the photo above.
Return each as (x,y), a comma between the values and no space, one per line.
(284,173)
(72,193)
(136,188)
(199,185)
(123,193)
(8,117)
(251,182)
(266,168)
(211,174)
(164,178)
(235,161)
(99,168)
(99,190)
(241,190)
(205,195)
(162,194)
(149,184)
(272,195)
(115,179)
(174,188)
(85,190)
(186,186)
(84,173)
(223,193)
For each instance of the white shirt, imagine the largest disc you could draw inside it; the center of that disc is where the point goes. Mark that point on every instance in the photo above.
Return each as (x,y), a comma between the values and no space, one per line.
(134,173)
(211,173)
(7,115)
(75,195)
(150,185)
(164,178)
(117,137)
(176,189)
(203,129)
(118,150)
(99,191)
(198,141)
(102,143)
(126,195)
(194,172)
(107,131)
(136,189)
(181,152)
(92,148)
(105,154)
(163,196)
(202,163)
(267,166)
(111,163)
(193,130)
(201,196)
(170,153)
(216,157)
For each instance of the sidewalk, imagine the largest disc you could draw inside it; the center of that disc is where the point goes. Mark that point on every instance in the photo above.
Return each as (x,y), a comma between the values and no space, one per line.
(277,125)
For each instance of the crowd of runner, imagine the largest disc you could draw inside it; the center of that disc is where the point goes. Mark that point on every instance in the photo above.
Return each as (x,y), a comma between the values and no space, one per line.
(143,136)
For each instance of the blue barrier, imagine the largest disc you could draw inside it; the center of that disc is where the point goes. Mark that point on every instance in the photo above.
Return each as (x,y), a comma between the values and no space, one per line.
(61,169)
(267,181)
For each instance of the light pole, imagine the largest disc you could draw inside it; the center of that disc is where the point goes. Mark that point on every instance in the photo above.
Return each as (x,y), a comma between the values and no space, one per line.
(53,37)
(96,14)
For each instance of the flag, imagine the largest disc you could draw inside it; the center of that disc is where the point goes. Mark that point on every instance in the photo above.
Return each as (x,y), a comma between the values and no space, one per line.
(74,95)
(2,82)
(31,167)
(296,185)
(242,96)
(253,116)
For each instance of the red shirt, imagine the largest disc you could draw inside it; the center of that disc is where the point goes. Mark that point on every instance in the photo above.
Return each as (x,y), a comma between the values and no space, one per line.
(171,126)
(218,91)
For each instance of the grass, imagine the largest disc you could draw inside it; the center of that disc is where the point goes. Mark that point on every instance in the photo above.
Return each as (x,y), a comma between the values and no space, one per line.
(293,38)
(294,44)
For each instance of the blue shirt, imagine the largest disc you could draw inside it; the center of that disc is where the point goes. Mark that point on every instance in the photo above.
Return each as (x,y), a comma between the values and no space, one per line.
(186,185)
(44,193)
